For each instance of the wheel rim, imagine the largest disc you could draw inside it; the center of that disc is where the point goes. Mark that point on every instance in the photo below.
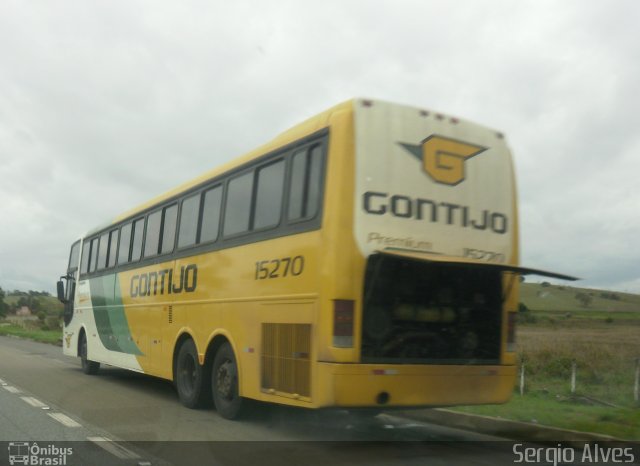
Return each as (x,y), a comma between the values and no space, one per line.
(225,380)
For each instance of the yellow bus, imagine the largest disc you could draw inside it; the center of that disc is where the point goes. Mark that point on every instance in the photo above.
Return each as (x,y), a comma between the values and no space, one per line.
(366,258)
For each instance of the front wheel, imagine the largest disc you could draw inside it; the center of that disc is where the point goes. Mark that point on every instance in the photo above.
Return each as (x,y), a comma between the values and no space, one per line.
(224,382)
(88,367)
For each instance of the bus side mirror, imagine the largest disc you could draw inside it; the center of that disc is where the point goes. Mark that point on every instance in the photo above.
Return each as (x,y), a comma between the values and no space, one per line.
(61,296)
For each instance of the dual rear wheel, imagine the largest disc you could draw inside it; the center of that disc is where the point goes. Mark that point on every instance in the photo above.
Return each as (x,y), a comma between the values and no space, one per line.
(198,385)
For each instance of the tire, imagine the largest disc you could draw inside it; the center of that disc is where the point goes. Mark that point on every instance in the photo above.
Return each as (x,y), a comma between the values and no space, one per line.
(192,380)
(224,383)
(88,367)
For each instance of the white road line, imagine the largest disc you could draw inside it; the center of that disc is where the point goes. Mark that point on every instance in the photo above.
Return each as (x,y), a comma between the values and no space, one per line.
(113,448)
(11,389)
(33,401)
(64,420)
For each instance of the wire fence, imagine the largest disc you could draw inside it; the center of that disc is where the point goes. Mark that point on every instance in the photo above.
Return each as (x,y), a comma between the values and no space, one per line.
(615,389)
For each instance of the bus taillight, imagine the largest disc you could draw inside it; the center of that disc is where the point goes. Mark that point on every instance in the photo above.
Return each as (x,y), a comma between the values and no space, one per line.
(511,331)
(343,323)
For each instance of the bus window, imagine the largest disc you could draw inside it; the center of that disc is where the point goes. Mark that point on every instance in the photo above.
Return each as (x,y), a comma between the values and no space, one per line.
(86,247)
(238,206)
(113,246)
(73,257)
(270,181)
(169,218)
(211,214)
(103,251)
(94,255)
(304,191)
(189,221)
(314,181)
(125,244)
(136,247)
(152,237)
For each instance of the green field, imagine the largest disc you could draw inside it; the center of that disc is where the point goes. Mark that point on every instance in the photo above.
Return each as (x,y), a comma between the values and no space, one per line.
(45,336)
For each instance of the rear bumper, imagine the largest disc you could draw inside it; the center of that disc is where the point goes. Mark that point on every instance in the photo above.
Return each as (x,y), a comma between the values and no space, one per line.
(380,385)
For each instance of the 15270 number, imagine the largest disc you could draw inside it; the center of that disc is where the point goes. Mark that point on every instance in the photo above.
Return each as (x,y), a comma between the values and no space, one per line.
(277,268)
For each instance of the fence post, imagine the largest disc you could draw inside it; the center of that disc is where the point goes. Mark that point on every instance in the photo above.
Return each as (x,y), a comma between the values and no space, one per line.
(522,378)
(636,385)
(573,377)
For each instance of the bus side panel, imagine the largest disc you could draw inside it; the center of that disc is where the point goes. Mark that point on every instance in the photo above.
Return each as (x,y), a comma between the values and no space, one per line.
(239,291)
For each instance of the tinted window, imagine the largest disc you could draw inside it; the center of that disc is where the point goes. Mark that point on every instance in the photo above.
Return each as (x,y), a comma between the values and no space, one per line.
(270,180)
(306,177)
(238,204)
(211,214)
(73,257)
(189,221)
(136,246)
(94,255)
(125,244)
(314,194)
(86,248)
(103,251)
(296,189)
(152,237)
(113,246)
(169,228)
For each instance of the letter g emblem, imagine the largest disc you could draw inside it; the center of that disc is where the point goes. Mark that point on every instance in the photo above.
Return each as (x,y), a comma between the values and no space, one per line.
(443,159)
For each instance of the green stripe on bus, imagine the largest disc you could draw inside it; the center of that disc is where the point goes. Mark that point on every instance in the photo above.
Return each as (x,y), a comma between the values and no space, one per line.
(108,312)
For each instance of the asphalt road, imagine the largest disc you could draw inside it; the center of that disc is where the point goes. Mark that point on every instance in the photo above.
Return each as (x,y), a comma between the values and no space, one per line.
(120,417)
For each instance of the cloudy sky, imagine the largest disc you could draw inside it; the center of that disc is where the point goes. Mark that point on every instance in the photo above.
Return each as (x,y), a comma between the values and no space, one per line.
(104,104)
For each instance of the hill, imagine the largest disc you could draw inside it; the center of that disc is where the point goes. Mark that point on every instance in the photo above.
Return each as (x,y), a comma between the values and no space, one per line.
(546,297)
(49,304)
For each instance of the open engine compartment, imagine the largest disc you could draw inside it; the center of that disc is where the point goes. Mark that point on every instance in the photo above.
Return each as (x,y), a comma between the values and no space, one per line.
(423,312)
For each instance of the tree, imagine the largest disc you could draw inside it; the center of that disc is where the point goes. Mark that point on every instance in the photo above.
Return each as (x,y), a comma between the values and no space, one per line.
(584,299)
(3,305)
(34,304)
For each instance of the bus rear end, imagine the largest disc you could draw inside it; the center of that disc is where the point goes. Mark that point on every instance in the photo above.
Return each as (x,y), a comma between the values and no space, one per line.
(436,240)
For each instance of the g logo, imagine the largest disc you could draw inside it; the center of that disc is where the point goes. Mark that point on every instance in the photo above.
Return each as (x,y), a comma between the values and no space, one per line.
(443,158)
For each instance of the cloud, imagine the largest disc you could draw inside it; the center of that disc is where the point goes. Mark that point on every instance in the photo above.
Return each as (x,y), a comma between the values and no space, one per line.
(104,105)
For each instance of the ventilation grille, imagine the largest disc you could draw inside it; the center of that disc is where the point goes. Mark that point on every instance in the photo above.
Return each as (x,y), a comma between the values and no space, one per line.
(170,314)
(286,366)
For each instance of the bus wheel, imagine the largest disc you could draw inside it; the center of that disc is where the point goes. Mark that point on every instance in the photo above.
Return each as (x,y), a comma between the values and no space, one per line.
(224,380)
(88,367)
(191,383)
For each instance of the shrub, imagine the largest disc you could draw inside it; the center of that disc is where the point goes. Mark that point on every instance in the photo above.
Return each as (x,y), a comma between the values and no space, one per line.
(52,322)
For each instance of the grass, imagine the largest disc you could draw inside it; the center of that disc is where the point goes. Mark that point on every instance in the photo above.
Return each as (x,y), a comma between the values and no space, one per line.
(45,336)
(545,408)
